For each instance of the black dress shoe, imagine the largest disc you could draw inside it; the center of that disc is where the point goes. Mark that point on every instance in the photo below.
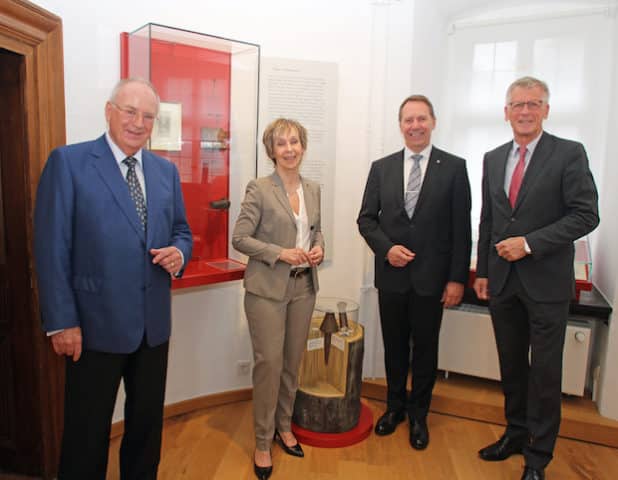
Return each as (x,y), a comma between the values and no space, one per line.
(263,473)
(502,449)
(419,434)
(533,474)
(294,450)
(389,421)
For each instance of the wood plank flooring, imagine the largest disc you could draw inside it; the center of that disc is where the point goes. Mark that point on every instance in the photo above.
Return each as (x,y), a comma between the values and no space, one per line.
(217,443)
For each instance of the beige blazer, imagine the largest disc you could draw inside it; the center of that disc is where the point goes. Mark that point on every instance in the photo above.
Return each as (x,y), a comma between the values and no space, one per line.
(266,226)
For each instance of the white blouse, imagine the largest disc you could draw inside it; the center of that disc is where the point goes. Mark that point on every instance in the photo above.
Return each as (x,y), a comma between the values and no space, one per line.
(303,234)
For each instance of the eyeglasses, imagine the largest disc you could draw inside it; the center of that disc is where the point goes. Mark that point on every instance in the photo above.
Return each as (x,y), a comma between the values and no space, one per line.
(533,105)
(132,113)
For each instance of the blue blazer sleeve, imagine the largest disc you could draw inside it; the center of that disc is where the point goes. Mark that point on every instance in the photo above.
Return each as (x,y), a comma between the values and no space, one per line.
(53,240)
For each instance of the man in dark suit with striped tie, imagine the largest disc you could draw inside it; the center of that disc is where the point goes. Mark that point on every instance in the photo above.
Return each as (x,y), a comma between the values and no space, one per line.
(415,217)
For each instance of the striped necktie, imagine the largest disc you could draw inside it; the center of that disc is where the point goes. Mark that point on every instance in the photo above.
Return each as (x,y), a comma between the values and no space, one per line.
(135,190)
(413,187)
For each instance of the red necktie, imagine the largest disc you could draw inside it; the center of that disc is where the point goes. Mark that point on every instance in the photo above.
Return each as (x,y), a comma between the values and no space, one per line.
(518,176)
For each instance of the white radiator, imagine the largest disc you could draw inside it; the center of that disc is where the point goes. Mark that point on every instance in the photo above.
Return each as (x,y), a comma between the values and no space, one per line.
(468,346)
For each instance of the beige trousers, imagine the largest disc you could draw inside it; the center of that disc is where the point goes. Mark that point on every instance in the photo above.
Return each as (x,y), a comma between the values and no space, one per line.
(279,331)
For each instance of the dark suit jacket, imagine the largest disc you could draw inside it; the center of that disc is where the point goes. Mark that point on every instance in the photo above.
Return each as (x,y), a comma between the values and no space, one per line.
(557,204)
(92,259)
(439,231)
(265,226)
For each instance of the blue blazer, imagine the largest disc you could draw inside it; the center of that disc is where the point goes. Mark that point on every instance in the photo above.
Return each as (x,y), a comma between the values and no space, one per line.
(94,269)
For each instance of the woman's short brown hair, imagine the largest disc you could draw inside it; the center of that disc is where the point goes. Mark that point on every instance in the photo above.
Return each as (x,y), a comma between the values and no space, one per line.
(278,127)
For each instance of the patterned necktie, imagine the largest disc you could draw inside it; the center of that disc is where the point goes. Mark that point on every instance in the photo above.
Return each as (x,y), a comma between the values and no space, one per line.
(517,177)
(413,187)
(135,190)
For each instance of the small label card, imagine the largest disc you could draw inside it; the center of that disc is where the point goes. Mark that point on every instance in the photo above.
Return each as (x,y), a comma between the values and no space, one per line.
(315,344)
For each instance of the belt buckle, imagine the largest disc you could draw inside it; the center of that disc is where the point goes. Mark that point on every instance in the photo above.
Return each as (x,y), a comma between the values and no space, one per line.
(297,272)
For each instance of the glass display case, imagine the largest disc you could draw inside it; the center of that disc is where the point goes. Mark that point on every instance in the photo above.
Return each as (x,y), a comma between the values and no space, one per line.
(207,126)
(583,266)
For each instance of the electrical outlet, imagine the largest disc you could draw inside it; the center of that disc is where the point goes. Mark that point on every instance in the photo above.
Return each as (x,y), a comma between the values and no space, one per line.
(244,367)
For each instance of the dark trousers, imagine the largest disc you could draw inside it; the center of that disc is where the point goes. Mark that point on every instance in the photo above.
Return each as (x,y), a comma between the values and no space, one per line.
(90,394)
(406,317)
(530,340)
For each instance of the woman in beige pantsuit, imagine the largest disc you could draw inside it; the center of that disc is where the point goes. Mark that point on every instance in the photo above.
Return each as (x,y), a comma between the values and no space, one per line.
(279,229)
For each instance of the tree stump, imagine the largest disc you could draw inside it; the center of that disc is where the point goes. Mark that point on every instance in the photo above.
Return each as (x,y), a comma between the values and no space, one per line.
(328,396)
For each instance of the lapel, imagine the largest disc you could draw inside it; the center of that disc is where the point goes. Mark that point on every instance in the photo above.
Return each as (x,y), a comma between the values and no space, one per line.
(310,204)
(394,176)
(281,196)
(105,164)
(498,173)
(154,192)
(537,163)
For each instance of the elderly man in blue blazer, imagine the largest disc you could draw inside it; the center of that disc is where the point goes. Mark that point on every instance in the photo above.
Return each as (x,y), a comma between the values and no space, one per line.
(110,232)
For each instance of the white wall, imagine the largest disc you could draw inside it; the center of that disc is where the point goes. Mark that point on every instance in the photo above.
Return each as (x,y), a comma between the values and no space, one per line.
(606,260)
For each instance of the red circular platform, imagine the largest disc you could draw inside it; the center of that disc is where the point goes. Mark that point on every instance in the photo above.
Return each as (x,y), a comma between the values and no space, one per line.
(334,440)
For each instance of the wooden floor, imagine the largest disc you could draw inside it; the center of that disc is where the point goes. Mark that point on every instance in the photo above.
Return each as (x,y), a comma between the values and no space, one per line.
(217,443)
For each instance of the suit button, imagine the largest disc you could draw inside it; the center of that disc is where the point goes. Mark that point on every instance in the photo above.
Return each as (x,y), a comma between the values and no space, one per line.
(512,219)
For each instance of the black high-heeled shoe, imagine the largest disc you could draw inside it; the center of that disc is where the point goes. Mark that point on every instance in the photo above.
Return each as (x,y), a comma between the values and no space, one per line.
(262,473)
(294,450)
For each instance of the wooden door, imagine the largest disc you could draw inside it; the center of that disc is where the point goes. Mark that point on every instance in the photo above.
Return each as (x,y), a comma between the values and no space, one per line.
(18,447)
(31,124)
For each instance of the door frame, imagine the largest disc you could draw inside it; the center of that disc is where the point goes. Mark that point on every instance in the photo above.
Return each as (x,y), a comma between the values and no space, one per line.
(36,34)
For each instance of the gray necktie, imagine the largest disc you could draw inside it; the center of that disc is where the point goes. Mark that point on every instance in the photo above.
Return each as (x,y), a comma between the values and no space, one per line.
(413,187)
(135,190)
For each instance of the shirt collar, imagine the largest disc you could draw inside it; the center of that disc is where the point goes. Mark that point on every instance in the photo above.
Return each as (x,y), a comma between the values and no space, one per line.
(119,155)
(530,147)
(426,152)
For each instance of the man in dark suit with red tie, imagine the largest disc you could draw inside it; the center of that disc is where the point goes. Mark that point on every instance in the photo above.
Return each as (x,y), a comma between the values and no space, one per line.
(415,216)
(538,198)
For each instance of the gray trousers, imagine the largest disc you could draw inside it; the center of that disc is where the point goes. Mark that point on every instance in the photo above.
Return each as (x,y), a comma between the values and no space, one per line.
(279,331)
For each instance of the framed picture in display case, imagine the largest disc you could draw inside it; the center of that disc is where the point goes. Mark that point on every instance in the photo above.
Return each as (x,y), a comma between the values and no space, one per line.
(167,129)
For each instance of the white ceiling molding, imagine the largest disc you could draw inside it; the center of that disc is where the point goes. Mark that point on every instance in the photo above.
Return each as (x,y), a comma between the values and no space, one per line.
(532,12)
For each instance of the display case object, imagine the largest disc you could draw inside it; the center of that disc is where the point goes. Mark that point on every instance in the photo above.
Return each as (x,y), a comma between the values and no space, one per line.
(328,396)
(207,126)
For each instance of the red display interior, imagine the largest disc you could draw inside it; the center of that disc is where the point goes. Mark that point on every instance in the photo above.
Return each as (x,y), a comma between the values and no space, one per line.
(199,80)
